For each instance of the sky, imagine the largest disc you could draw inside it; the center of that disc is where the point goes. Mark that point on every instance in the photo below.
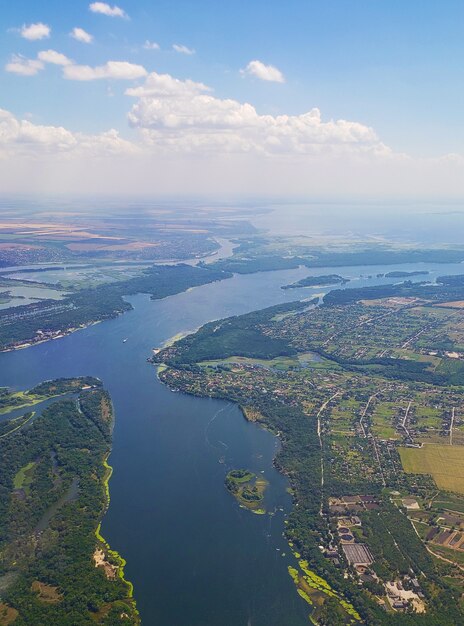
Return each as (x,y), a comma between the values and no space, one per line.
(264,97)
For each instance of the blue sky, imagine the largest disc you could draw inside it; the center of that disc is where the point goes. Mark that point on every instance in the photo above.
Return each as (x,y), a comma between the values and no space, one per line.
(392,66)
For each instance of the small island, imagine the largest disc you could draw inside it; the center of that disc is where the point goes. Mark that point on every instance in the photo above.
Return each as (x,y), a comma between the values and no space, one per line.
(400,274)
(247,489)
(318,281)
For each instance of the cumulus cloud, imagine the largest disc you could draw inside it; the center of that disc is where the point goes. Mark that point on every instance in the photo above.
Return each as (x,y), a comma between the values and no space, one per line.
(151,45)
(185,116)
(53,57)
(165,86)
(106,9)
(212,144)
(23,138)
(117,70)
(79,34)
(183,49)
(33,32)
(22,66)
(263,72)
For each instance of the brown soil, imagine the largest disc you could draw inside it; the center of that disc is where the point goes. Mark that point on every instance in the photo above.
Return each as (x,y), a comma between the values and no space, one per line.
(7,614)
(46,593)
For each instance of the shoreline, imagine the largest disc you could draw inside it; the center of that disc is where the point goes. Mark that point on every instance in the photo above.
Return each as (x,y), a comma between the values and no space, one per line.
(306,580)
(61,335)
(121,561)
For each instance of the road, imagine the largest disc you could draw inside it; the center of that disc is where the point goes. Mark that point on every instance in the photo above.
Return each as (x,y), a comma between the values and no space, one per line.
(451,426)
(321,443)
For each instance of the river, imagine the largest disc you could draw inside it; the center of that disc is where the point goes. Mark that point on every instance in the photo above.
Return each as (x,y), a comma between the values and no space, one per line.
(195,557)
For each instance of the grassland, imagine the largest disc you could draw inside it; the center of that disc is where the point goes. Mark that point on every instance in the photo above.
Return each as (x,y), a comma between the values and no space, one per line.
(444,463)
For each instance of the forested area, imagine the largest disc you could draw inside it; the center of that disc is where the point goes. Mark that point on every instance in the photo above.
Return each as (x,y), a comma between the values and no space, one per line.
(234,336)
(449,288)
(99,303)
(247,260)
(52,498)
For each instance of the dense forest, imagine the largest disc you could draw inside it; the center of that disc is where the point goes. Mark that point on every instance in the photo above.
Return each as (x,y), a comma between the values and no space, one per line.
(317,281)
(53,494)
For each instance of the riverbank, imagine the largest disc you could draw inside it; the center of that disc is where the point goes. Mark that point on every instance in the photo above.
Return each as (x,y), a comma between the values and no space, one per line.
(208,435)
(105,547)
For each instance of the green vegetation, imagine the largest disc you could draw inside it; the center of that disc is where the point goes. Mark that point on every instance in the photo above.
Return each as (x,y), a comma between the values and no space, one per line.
(343,426)
(10,400)
(317,281)
(54,566)
(400,274)
(443,462)
(247,489)
(49,318)
(450,290)
(24,476)
(235,336)
(258,256)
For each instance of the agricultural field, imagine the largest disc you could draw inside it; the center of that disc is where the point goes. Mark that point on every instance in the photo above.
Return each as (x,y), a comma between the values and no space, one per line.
(444,463)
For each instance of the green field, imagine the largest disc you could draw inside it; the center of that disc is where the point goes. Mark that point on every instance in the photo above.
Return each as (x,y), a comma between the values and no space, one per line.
(444,463)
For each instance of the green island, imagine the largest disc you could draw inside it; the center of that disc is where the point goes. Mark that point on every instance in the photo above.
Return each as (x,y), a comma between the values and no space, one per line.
(247,489)
(372,436)
(317,281)
(55,568)
(400,274)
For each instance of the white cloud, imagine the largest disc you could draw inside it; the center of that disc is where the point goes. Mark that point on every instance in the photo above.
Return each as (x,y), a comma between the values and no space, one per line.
(165,86)
(106,9)
(214,145)
(183,49)
(183,116)
(263,72)
(33,32)
(53,57)
(79,34)
(23,138)
(117,70)
(22,66)
(151,45)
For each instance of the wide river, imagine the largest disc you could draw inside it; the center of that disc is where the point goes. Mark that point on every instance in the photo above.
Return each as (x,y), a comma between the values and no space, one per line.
(194,556)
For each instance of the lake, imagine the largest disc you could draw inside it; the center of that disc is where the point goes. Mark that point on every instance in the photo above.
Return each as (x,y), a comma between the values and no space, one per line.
(194,556)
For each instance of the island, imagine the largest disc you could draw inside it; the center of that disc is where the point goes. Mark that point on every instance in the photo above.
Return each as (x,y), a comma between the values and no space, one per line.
(400,274)
(372,441)
(247,489)
(55,567)
(318,281)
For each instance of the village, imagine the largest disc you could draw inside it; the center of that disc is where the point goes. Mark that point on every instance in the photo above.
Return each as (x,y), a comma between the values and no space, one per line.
(368,427)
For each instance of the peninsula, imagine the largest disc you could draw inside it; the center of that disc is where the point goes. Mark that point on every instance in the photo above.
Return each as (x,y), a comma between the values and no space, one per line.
(372,437)
(55,568)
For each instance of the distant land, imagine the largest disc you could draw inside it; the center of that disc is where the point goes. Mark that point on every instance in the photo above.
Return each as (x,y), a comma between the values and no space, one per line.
(400,274)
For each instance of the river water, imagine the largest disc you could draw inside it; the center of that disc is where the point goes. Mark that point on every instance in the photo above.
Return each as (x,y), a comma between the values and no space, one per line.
(194,556)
